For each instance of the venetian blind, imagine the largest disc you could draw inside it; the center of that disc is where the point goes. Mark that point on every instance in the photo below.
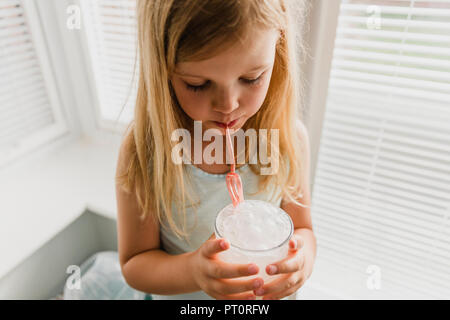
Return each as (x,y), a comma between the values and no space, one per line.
(381,200)
(111,33)
(30,114)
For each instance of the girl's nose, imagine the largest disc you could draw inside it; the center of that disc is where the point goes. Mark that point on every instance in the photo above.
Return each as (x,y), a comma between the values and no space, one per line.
(225,101)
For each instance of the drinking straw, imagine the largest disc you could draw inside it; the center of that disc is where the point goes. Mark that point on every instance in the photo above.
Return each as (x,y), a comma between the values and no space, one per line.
(234,184)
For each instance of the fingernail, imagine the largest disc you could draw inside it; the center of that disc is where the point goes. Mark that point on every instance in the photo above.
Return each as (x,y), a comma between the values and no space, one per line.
(257,284)
(294,244)
(272,269)
(223,244)
(252,269)
(259,292)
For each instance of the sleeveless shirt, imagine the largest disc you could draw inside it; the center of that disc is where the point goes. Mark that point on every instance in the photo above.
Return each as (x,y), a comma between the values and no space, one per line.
(211,190)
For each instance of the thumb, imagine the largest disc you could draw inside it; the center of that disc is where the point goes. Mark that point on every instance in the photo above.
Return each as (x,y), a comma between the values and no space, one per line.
(214,246)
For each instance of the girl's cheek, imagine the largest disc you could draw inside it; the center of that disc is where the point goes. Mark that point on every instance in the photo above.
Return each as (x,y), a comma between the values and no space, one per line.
(255,97)
(194,105)
(189,101)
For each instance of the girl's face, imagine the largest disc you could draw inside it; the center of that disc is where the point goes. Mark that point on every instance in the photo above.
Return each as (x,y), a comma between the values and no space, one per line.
(229,86)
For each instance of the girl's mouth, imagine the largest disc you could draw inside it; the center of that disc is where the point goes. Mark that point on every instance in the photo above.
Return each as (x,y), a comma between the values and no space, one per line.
(224,125)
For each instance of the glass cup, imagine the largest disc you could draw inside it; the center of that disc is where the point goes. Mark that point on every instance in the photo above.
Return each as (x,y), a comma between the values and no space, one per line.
(260,257)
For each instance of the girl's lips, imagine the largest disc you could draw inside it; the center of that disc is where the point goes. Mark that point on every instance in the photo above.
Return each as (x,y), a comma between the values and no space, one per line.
(223,125)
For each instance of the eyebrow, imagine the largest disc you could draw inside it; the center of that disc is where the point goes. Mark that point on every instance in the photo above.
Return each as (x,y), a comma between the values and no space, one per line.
(260,67)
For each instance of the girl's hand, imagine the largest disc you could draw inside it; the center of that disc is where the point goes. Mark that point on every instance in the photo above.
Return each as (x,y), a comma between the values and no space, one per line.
(292,271)
(213,275)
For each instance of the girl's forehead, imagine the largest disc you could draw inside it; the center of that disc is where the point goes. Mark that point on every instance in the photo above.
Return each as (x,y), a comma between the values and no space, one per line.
(255,51)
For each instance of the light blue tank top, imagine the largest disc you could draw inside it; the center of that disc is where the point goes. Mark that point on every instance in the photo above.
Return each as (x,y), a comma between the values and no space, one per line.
(213,192)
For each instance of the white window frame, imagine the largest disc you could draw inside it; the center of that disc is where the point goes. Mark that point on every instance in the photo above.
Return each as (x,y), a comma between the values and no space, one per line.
(69,50)
(323,17)
(72,65)
(60,127)
(86,41)
(82,39)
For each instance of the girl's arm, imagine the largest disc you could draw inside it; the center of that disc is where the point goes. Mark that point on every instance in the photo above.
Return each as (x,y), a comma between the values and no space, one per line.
(144,265)
(156,271)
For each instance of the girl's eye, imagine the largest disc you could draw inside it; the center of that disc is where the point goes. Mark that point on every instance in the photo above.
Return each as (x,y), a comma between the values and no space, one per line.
(206,85)
(197,88)
(252,81)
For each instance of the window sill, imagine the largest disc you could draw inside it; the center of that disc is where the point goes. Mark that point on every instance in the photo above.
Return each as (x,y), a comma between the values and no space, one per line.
(45,193)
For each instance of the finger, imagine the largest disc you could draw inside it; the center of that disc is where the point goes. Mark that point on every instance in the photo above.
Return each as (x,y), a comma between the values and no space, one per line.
(227,287)
(220,270)
(277,295)
(290,264)
(213,246)
(296,243)
(282,284)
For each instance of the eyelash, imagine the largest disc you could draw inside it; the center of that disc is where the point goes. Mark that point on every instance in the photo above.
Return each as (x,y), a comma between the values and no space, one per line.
(197,88)
(206,85)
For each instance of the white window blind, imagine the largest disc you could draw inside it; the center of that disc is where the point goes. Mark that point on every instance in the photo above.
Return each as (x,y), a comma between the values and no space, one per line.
(111,34)
(381,200)
(30,114)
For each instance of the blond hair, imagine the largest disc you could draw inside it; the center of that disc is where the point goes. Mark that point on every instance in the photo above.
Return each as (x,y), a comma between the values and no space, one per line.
(170,31)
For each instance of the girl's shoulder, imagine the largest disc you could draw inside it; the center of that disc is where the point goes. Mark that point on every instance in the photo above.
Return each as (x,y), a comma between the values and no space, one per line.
(302,131)
(303,136)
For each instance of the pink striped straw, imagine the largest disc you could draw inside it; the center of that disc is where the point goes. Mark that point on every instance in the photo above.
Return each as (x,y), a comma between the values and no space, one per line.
(233,179)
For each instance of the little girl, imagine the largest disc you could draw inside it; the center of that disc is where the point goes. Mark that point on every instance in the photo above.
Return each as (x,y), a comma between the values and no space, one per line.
(221,63)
